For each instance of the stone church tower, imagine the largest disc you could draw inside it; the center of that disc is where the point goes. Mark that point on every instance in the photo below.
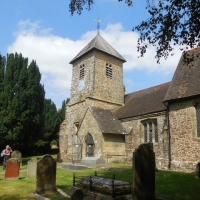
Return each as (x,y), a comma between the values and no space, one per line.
(97,82)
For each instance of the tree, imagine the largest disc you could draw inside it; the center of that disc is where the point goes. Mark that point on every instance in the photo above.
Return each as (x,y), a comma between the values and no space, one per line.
(77,5)
(171,23)
(61,112)
(33,114)
(21,102)
(51,123)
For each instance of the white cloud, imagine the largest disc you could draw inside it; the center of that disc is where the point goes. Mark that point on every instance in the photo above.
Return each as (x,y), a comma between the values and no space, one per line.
(53,54)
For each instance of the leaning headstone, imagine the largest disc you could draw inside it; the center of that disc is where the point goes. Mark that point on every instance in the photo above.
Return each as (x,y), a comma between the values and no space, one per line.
(46,175)
(31,168)
(17,154)
(144,173)
(12,169)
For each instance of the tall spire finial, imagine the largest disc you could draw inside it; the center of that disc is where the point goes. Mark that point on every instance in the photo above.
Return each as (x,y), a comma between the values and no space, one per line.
(98,25)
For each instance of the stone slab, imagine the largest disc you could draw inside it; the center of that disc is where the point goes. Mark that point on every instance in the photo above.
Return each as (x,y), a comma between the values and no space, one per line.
(93,161)
(74,166)
(105,185)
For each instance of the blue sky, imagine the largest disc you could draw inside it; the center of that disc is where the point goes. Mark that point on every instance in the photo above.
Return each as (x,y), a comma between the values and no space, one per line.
(45,31)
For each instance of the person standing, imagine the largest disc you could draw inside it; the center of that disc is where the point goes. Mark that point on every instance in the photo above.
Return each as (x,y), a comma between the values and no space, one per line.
(6,155)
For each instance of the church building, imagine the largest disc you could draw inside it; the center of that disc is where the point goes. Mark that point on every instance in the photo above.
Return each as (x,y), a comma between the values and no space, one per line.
(102,121)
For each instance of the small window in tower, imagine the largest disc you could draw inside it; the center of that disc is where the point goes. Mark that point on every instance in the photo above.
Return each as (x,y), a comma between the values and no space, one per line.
(82,71)
(108,70)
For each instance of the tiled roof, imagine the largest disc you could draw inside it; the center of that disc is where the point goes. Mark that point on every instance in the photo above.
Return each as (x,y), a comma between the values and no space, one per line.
(143,102)
(107,121)
(186,79)
(100,44)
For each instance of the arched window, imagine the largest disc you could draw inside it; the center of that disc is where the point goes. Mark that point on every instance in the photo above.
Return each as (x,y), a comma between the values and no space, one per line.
(198,119)
(89,145)
(150,131)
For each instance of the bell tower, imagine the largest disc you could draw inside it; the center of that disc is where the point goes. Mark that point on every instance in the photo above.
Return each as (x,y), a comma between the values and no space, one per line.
(97,81)
(98,74)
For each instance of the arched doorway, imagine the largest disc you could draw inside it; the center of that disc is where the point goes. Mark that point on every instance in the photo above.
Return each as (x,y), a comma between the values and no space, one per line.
(76,148)
(89,145)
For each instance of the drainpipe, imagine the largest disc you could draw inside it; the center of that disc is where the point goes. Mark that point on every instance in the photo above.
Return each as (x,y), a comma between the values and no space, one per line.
(169,136)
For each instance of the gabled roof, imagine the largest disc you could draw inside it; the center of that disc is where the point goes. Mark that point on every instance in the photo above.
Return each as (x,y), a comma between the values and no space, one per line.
(100,44)
(107,121)
(186,79)
(143,102)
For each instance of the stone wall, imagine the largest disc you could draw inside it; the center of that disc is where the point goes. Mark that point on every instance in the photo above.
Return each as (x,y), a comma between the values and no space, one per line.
(99,91)
(110,89)
(114,148)
(97,85)
(89,125)
(136,137)
(111,147)
(185,146)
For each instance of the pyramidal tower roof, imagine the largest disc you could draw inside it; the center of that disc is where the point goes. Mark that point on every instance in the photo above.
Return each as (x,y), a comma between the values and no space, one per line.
(100,44)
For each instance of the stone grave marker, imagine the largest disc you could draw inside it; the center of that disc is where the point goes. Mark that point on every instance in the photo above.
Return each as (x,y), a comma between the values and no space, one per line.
(144,173)
(46,175)
(197,170)
(31,168)
(17,154)
(77,195)
(12,169)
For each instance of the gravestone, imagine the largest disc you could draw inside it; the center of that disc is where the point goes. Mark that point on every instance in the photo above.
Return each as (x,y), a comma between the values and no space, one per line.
(12,169)
(77,195)
(46,175)
(197,170)
(31,168)
(17,154)
(105,185)
(144,173)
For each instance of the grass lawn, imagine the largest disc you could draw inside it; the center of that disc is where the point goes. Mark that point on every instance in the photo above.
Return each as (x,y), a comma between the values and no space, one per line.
(170,185)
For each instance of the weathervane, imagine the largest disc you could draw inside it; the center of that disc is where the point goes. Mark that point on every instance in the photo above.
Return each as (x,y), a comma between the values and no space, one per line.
(98,25)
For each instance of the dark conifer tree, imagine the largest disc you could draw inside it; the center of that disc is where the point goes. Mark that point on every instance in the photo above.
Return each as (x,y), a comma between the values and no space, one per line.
(35,104)
(2,71)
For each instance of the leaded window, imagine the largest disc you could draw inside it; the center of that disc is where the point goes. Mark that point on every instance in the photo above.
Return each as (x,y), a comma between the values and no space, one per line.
(198,119)
(82,71)
(108,70)
(145,131)
(150,128)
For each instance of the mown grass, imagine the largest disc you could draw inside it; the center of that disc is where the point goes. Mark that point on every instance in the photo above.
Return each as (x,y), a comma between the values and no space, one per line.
(169,184)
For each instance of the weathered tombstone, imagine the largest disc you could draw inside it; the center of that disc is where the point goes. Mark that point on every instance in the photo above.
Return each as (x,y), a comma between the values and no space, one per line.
(17,154)
(197,170)
(12,169)
(77,195)
(46,174)
(31,168)
(144,173)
